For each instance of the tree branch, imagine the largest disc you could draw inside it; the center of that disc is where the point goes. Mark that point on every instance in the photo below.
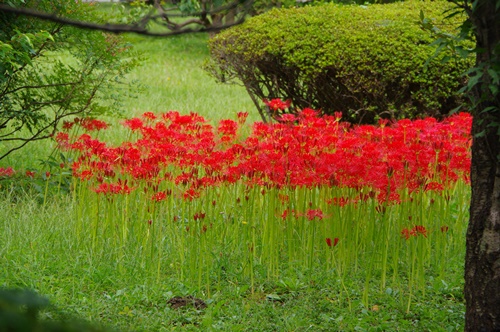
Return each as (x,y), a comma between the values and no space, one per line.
(117,28)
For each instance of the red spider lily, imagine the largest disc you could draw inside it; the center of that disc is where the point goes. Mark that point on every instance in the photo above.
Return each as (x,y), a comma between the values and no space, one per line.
(313,214)
(338,201)
(242,117)
(420,230)
(6,172)
(406,233)
(92,124)
(199,216)
(159,196)
(67,125)
(434,186)
(283,198)
(415,231)
(62,140)
(227,129)
(149,116)
(30,174)
(312,151)
(287,118)
(190,194)
(134,124)
(113,188)
(331,243)
(277,104)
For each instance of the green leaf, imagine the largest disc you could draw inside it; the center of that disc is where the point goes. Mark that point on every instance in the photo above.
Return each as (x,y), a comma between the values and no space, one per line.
(493,89)
(455,110)
(474,80)
(481,133)
(494,75)
(46,35)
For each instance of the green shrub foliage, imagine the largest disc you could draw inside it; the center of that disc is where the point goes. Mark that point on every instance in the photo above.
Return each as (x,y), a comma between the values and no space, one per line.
(364,61)
(50,73)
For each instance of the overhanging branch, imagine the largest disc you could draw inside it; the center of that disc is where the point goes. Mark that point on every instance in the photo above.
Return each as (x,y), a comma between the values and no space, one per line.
(123,28)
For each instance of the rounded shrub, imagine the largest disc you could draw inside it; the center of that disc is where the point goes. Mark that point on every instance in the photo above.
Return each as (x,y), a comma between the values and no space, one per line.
(367,62)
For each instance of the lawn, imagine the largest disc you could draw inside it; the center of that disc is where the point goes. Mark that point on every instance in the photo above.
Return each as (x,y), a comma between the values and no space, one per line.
(219,219)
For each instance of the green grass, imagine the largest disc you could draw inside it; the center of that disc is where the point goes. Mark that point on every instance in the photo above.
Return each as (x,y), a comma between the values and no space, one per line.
(38,254)
(173,79)
(38,250)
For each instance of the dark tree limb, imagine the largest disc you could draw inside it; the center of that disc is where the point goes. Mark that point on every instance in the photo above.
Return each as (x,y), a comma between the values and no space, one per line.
(140,27)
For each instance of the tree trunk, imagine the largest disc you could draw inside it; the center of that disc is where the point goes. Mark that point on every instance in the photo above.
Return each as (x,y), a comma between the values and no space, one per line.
(482,261)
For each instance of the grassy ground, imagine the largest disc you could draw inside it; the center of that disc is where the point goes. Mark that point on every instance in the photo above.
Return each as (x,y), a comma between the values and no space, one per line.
(173,79)
(38,252)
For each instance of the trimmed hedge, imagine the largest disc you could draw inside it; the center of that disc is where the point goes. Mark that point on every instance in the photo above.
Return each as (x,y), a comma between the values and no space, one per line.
(365,61)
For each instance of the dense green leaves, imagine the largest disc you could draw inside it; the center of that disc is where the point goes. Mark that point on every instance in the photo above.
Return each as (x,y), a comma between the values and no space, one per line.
(366,61)
(49,72)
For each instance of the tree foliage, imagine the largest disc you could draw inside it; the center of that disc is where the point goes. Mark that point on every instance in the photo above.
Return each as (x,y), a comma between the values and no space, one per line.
(49,72)
(365,61)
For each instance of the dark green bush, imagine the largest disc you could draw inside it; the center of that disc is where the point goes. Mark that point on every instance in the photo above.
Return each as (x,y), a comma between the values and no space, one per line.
(20,310)
(365,61)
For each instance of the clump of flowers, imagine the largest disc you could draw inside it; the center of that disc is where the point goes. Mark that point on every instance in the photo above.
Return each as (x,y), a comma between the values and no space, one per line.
(277,104)
(414,232)
(312,151)
(276,195)
(6,172)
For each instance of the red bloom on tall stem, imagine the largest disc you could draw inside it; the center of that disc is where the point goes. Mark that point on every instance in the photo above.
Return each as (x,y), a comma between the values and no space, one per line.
(314,213)
(159,196)
(6,172)
(406,233)
(331,243)
(277,104)
(420,230)
(93,124)
(149,116)
(113,188)
(415,231)
(134,124)
(242,117)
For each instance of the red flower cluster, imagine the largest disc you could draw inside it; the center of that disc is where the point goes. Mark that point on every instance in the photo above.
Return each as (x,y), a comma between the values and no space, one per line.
(113,188)
(415,231)
(314,214)
(313,151)
(88,124)
(277,104)
(6,172)
(30,174)
(311,214)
